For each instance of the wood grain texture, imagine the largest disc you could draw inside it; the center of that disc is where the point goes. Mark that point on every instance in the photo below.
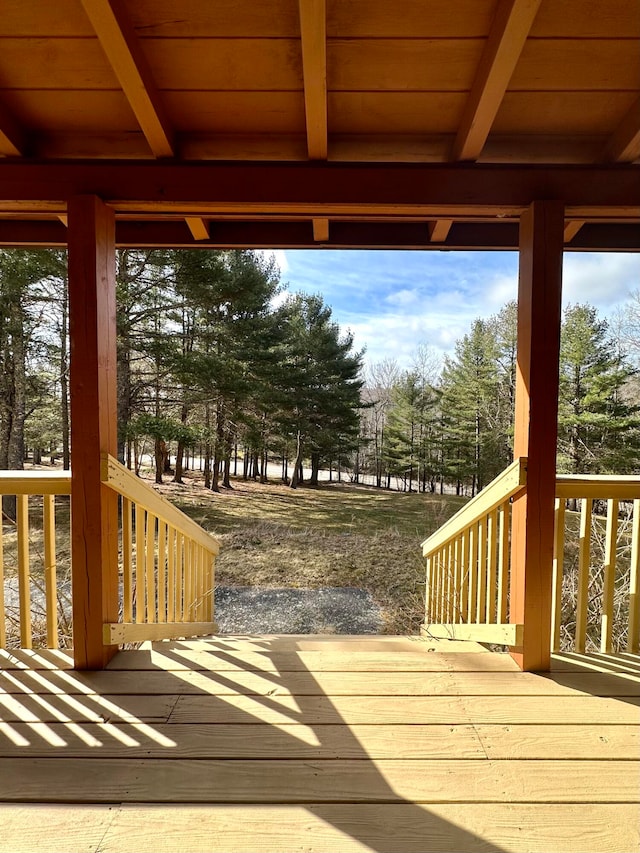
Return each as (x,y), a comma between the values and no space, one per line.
(507,37)
(402,828)
(94,509)
(535,428)
(294,781)
(246,743)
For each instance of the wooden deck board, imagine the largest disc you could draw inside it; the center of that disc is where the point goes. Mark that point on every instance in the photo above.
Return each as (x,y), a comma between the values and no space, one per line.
(272,683)
(333,828)
(319,743)
(107,780)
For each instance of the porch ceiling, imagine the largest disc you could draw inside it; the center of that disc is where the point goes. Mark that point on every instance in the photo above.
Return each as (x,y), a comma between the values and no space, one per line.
(484,92)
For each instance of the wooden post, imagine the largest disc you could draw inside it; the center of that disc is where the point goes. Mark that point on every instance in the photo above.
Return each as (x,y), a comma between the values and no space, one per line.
(94,507)
(536,428)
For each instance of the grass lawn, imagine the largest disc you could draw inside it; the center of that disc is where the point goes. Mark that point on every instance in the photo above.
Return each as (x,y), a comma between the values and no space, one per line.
(334,535)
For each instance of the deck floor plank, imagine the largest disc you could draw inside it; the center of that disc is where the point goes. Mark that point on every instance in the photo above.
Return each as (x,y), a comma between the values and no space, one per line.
(403,828)
(315,683)
(294,743)
(107,780)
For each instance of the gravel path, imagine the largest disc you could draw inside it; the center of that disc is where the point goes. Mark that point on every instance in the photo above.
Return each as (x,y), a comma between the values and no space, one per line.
(329,610)
(254,610)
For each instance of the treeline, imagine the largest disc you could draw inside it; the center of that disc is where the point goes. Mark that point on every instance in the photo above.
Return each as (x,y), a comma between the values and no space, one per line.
(218,368)
(210,362)
(451,425)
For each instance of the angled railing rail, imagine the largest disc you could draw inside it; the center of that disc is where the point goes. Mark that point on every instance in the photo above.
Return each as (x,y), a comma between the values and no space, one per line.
(31,612)
(168,565)
(468,563)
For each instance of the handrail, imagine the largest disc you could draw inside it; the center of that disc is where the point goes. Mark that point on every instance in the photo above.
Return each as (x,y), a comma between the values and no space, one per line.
(35,482)
(503,487)
(598,486)
(129,486)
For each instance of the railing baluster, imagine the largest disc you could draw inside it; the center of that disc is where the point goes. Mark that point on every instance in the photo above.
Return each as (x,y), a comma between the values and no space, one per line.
(162,571)
(127,563)
(188,580)
(211,586)
(492,538)
(583,575)
(49,535)
(609,576)
(455,598)
(179,577)
(140,519)
(464,574)
(428,590)
(24,593)
(150,556)
(558,565)
(3,624)
(633,637)
(171,574)
(503,562)
(473,572)
(482,569)
(448,584)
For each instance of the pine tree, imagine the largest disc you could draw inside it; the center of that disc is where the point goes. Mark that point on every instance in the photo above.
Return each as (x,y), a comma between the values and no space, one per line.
(597,427)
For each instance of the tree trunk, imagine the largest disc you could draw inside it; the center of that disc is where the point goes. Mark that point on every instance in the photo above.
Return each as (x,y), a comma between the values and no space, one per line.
(64,383)
(159,453)
(296,477)
(315,467)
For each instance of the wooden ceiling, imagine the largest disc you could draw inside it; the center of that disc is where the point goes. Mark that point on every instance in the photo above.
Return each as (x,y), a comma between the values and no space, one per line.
(537,85)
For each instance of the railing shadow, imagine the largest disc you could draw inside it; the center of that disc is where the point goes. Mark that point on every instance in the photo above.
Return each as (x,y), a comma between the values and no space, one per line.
(172,742)
(598,674)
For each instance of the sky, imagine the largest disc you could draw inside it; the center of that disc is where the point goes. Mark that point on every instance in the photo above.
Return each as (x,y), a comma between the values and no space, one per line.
(394,301)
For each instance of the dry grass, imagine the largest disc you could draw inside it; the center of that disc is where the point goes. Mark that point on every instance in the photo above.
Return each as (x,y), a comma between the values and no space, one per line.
(335,535)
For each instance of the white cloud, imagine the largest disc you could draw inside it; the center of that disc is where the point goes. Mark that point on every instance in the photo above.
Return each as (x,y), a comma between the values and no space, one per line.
(601,279)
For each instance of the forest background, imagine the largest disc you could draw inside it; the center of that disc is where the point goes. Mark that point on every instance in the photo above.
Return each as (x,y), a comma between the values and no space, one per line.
(219,370)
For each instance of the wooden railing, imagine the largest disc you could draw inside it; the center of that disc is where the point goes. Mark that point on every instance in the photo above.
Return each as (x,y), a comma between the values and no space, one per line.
(468,566)
(596,577)
(168,564)
(28,559)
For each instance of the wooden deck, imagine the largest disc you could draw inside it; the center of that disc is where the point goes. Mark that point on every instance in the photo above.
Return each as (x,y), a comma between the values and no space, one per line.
(318,744)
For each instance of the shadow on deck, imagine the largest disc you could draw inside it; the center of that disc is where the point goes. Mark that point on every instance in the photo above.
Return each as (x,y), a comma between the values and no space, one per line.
(318,743)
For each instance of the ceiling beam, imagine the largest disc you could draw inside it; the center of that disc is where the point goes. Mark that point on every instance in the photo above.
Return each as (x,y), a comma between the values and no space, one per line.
(313,31)
(439,230)
(321,230)
(467,236)
(507,36)
(434,191)
(122,48)
(199,227)
(13,141)
(624,144)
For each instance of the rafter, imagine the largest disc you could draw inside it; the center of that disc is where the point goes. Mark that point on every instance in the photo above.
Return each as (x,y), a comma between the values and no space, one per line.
(439,230)
(13,141)
(571,228)
(624,144)
(121,46)
(313,31)
(199,227)
(321,230)
(507,37)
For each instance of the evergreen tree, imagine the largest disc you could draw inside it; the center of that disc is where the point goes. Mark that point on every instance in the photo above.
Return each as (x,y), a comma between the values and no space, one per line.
(597,427)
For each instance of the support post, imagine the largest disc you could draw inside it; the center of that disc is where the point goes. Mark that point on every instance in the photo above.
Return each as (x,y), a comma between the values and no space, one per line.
(94,507)
(536,428)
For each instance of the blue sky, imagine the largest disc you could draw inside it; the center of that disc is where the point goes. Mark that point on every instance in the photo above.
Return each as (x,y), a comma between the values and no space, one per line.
(394,301)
